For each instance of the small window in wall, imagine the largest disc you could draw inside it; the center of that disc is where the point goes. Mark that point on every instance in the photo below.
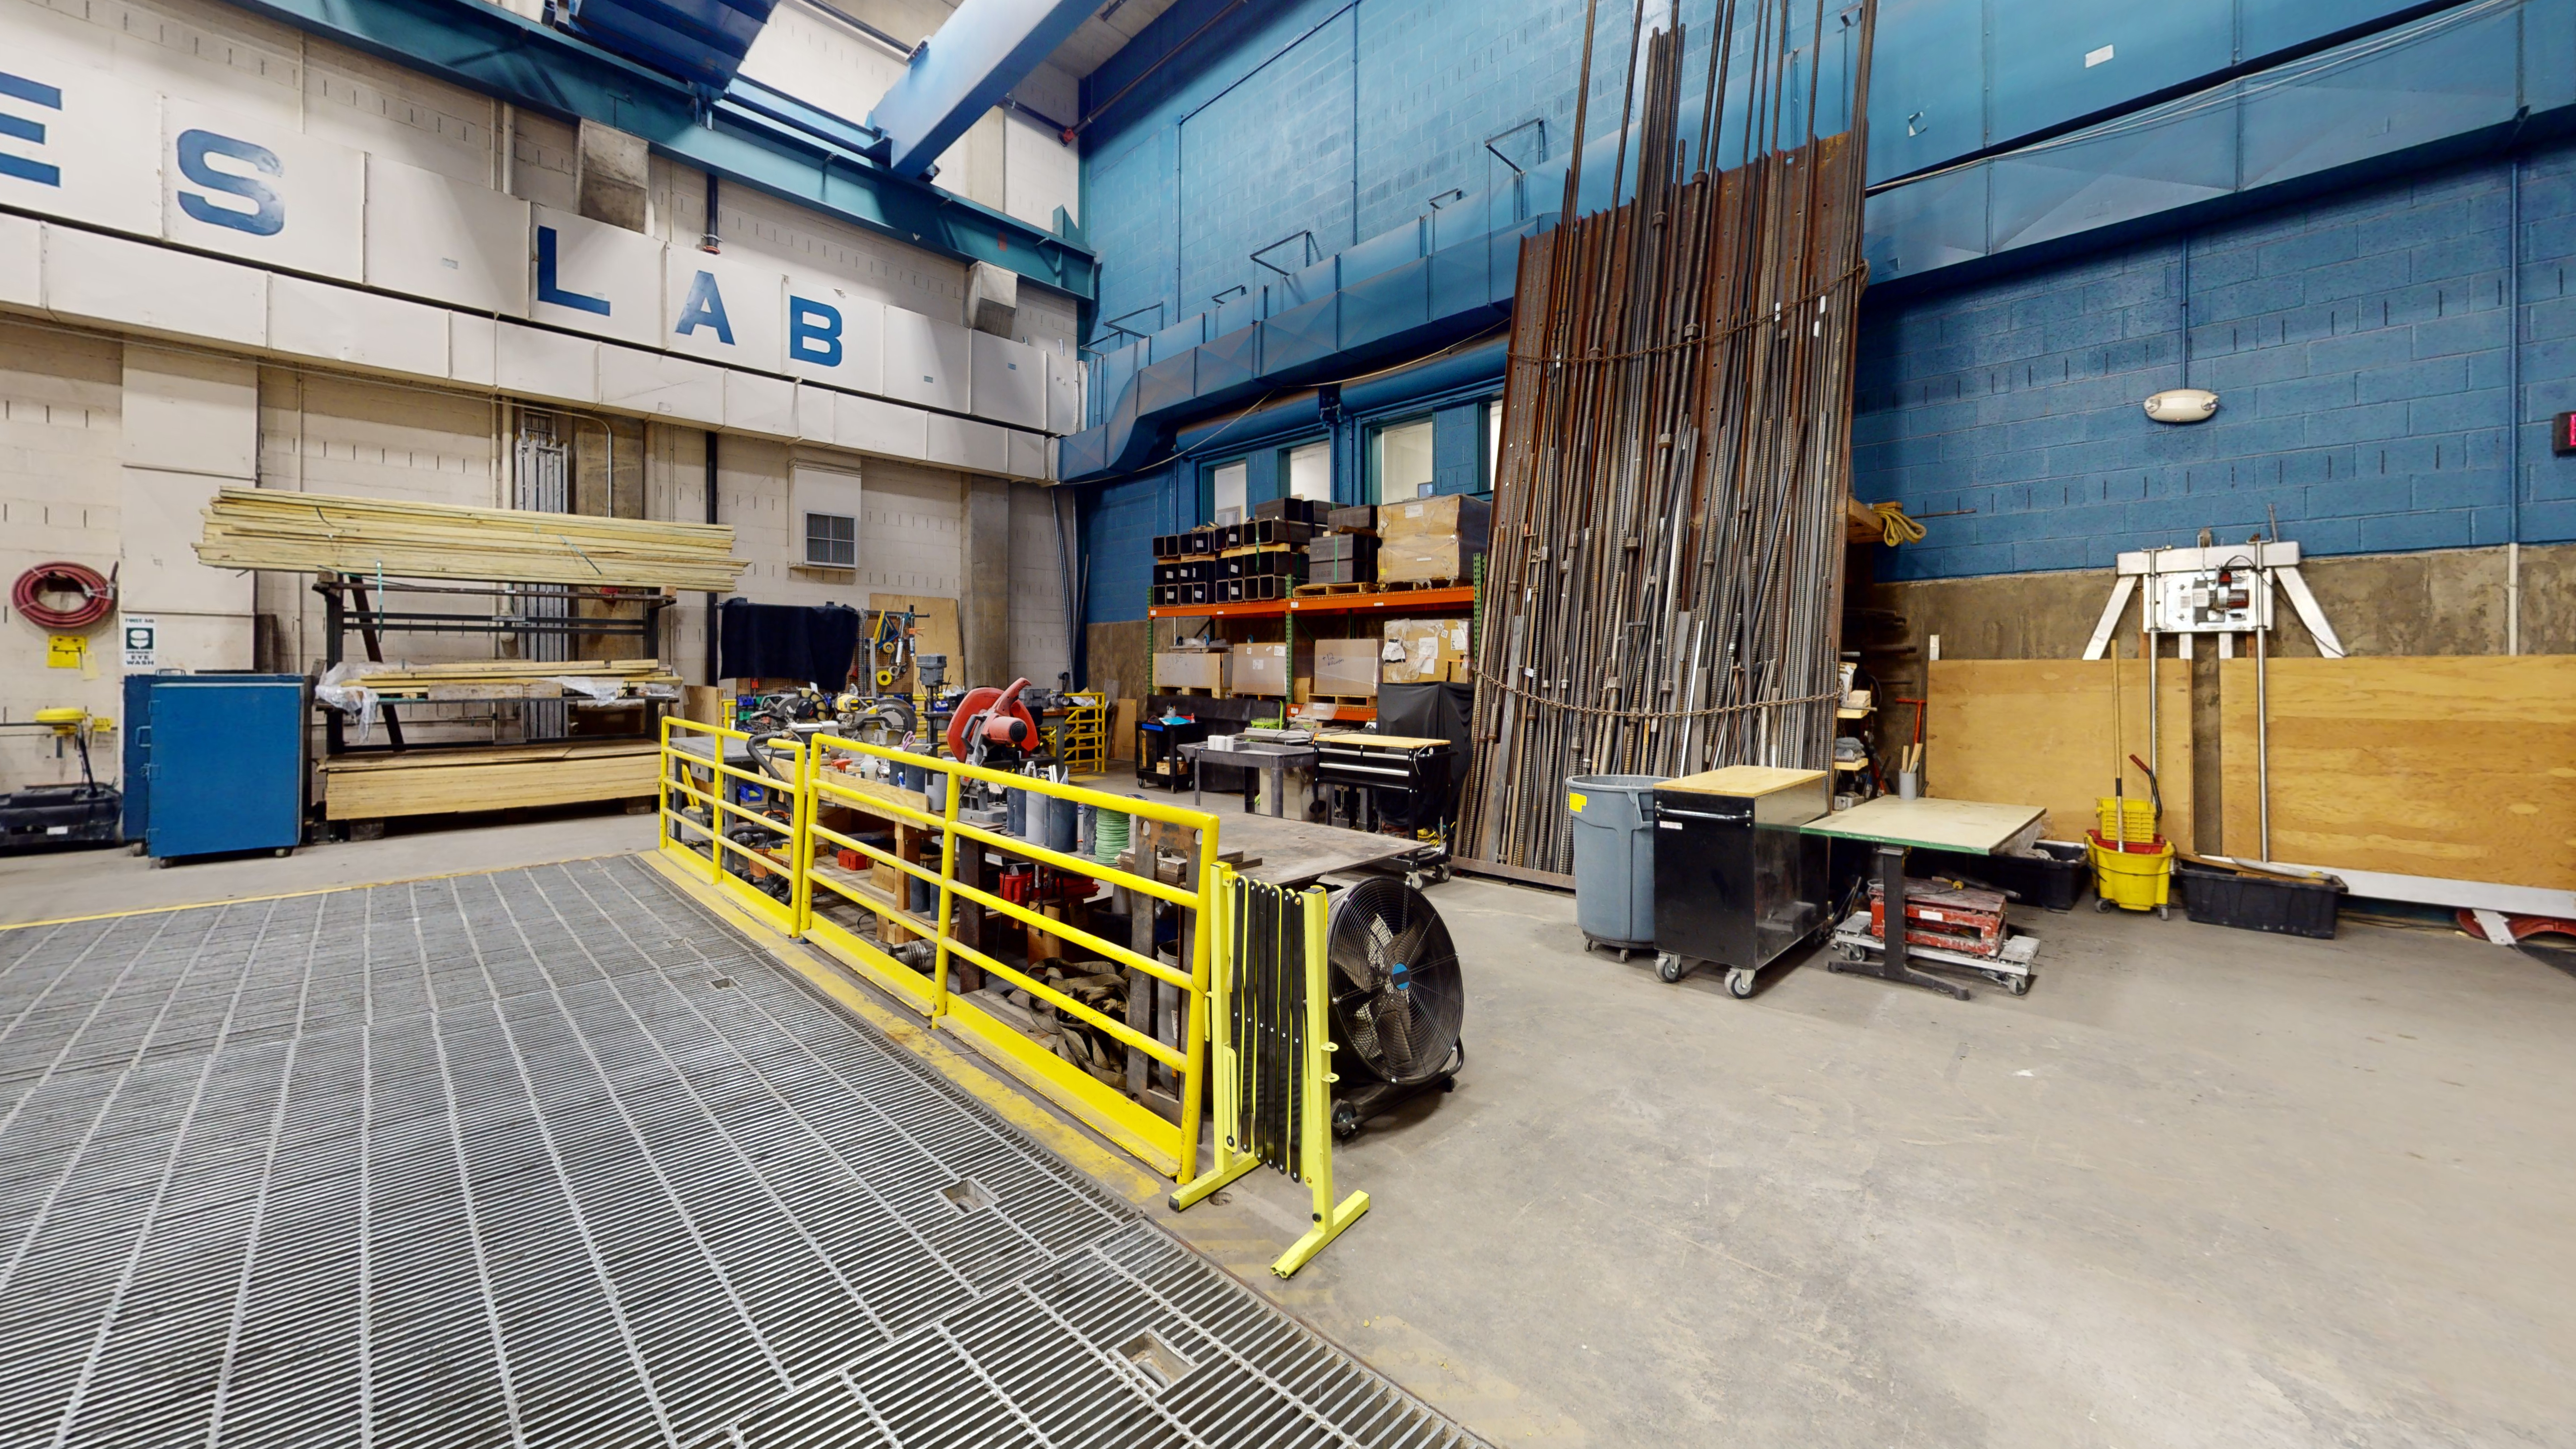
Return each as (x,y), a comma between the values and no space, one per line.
(1310,471)
(832,540)
(1400,460)
(1493,442)
(1228,499)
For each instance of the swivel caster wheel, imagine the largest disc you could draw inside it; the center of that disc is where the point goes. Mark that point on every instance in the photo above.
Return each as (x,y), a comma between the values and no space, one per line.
(1670,968)
(2103,903)
(1739,984)
(2018,986)
(1346,1122)
(2164,913)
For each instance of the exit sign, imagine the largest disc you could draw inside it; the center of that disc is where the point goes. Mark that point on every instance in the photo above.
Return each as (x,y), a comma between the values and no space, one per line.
(2562,435)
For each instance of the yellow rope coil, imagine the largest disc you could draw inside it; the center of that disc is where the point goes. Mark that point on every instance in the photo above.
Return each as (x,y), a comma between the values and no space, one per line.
(1894,526)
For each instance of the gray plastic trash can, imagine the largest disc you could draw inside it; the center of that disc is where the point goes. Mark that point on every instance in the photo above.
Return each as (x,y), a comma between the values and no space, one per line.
(1614,859)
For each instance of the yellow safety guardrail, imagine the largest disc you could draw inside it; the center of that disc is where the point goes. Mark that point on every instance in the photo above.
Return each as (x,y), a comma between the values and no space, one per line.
(693,768)
(918,794)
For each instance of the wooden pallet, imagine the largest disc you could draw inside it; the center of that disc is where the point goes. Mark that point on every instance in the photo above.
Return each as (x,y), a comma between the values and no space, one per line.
(1400,586)
(1319,591)
(1360,699)
(1240,550)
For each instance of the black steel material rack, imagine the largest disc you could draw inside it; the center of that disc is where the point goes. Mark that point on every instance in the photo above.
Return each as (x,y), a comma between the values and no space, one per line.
(531,612)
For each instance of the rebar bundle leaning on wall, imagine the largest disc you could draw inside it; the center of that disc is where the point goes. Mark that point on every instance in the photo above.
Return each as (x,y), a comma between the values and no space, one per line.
(1665,586)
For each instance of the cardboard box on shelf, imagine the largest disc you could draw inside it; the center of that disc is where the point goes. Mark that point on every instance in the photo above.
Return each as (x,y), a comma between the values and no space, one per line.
(1346,667)
(1423,651)
(1431,539)
(1265,668)
(1192,669)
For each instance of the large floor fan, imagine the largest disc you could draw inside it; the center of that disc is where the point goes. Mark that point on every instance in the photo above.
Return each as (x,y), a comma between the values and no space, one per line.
(1397,1000)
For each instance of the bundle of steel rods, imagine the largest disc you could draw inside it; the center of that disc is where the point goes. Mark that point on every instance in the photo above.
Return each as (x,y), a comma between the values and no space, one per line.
(1665,584)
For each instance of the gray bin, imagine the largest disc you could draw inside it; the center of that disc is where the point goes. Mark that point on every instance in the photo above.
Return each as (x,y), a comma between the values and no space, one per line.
(1614,858)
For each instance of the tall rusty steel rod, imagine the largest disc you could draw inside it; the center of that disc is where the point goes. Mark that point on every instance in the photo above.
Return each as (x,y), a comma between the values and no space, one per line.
(1665,586)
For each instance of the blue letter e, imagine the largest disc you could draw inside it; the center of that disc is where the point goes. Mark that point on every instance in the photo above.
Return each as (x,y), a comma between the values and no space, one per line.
(267,216)
(813,332)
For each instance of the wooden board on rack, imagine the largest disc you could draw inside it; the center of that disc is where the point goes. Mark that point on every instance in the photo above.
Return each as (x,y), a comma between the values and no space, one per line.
(441,782)
(2460,768)
(383,537)
(2038,732)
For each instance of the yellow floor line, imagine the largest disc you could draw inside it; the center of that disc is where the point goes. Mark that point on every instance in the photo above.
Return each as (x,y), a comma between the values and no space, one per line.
(355,885)
(1105,1165)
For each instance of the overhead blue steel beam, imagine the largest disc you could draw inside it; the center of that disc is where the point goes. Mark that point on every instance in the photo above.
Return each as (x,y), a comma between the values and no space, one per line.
(985,48)
(700,41)
(762,140)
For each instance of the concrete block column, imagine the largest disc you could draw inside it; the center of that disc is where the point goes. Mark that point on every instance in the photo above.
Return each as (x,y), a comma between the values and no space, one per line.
(191,426)
(984,610)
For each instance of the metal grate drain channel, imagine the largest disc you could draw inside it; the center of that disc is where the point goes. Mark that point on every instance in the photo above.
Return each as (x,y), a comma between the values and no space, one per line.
(553,1157)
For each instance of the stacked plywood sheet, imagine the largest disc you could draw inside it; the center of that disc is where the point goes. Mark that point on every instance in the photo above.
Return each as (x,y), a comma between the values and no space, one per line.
(256,528)
(447,781)
(2039,732)
(2455,768)
(495,679)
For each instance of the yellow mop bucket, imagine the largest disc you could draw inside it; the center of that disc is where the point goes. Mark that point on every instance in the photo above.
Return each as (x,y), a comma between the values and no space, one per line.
(2138,877)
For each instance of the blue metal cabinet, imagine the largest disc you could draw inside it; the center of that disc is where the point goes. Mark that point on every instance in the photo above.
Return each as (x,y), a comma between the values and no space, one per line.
(222,763)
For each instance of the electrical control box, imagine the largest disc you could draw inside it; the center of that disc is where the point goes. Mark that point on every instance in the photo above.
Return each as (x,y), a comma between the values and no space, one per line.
(2229,599)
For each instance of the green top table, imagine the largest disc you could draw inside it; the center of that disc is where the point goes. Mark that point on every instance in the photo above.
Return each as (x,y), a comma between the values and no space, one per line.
(1968,825)
(1896,826)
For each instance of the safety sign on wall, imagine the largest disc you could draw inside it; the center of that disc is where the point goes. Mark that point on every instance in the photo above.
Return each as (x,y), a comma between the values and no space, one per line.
(142,634)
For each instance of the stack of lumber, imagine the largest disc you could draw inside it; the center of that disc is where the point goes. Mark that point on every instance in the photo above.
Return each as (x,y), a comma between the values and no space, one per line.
(508,777)
(252,528)
(486,679)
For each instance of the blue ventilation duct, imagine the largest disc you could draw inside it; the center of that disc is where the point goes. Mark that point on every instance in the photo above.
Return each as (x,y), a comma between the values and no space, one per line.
(700,41)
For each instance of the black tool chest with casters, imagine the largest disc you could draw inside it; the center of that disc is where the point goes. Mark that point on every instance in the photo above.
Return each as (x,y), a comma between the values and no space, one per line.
(1375,780)
(1736,884)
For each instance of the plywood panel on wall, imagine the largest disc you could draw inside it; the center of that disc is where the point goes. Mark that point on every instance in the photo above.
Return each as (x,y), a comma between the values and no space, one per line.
(2040,732)
(2460,768)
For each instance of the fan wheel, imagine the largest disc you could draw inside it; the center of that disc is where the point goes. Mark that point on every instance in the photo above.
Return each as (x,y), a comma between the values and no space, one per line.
(1398,1001)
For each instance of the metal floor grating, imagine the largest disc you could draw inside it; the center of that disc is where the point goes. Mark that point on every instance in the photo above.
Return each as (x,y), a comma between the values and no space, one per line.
(553,1157)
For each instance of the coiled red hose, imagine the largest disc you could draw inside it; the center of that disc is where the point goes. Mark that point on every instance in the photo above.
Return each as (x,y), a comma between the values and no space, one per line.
(59,577)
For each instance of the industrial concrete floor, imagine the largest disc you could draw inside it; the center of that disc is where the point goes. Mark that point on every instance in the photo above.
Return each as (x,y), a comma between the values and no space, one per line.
(2199,1187)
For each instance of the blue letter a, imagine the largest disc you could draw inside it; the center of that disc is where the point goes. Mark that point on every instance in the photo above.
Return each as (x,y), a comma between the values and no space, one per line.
(705,308)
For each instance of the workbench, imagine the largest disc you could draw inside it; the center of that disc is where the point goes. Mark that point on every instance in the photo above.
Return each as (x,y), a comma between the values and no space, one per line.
(1272,760)
(1896,826)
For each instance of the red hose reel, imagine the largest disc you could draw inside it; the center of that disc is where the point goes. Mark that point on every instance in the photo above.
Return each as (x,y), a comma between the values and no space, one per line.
(97,594)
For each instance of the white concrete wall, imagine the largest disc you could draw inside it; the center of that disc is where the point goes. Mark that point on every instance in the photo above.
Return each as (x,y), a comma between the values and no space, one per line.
(1039,644)
(62,399)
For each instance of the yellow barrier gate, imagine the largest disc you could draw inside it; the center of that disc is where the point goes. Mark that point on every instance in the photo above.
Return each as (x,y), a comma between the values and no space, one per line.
(695,769)
(1272,1025)
(915,954)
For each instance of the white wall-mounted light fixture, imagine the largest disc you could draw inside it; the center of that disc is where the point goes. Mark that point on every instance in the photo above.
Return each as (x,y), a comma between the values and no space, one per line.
(2182,405)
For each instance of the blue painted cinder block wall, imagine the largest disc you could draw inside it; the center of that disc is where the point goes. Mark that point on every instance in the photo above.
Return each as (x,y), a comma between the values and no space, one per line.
(2363,345)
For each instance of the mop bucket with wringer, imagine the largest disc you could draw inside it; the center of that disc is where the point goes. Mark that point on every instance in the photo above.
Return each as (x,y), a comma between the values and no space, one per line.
(2132,864)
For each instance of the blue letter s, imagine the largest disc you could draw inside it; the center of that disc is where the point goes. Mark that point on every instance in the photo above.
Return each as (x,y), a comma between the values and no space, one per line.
(813,332)
(267,216)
